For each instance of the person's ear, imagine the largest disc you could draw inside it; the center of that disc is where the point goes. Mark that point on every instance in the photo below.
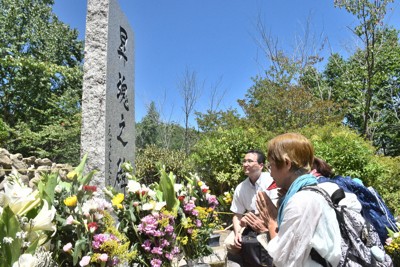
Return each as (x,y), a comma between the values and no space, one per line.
(288,162)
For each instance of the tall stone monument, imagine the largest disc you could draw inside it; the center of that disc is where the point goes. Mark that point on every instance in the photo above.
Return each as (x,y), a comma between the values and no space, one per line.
(108,110)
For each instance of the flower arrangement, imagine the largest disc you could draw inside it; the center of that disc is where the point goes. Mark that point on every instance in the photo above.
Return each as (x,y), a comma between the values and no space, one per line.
(392,245)
(165,219)
(62,222)
(65,221)
(197,218)
(147,216)
(86,229)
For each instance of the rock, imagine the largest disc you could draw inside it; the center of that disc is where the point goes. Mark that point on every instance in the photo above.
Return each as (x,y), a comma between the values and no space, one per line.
(45,169)
(19,165)
(31,171)
(29,161)
(24,179)
(4,152)
(17,156)
(43,162)
(5,161)
(34,181)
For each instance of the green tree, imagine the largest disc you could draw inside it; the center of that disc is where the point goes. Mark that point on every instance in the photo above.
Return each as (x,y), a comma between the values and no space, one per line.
(152,131)
(274,107)
(172,136)
(40,77)
(370,15)
(148,129)
(213,120)
(347,78)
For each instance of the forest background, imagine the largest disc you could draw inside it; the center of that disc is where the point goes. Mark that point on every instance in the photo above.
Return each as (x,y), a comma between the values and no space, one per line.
(350,109)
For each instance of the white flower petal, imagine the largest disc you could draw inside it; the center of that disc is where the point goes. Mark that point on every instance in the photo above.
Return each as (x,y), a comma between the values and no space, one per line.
(44,220)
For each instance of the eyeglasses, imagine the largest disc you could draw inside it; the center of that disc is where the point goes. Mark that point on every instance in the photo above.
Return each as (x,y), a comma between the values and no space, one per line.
(250,161)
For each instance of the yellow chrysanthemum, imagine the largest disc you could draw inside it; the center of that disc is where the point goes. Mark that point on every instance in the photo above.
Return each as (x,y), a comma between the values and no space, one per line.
(200,183)
(184,240)
(71,201)
(194,234)
(117,200)
(72,175)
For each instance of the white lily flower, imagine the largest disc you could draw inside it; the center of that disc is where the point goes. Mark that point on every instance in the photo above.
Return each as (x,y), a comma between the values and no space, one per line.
(151,193)
(25,260)
(160,205)
(20,199)
(133,186)
(178,187)
(148,206)
(44,220)
(14,191)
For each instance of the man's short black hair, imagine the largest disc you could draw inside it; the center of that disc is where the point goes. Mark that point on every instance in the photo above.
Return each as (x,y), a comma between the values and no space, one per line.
(260,155)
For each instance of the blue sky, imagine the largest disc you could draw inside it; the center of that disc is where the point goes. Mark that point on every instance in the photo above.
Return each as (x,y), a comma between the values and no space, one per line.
(215,39)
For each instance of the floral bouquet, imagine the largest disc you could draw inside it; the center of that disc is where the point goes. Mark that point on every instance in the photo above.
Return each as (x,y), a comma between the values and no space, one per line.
(392,245)
(86,229)
(197,218)
(26,224)
(147,215)
(64,215)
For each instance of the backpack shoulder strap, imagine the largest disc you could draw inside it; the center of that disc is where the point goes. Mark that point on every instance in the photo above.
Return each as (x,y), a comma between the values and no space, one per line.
(315,256)
(333,199)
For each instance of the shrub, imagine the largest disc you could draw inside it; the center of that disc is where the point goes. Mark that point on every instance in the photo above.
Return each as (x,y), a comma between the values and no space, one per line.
(217,156)
(148,160)
(350,155)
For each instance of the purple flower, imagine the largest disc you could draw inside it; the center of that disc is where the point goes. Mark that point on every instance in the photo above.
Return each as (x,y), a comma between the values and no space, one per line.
(188,207)
(158,233)
(176,250)
(157,250)
(198,223)
(96,244)
(147,245)
(156,263)
(164,243)
(169,256)
(99,239)
(149,225)
(169,229)
(212,200)
(195,212)
(115,261)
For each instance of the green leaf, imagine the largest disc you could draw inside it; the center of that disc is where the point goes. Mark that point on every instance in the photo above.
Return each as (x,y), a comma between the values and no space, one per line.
(80,247)
(86,179)
(167,185)
(32,247)
(79,169)
(9,226)
(46,187)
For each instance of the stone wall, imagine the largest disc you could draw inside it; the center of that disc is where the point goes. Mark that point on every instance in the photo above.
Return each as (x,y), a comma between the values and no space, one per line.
(28,168)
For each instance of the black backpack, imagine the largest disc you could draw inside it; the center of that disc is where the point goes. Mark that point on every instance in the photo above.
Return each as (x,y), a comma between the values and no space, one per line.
(358,236)
(253,253)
